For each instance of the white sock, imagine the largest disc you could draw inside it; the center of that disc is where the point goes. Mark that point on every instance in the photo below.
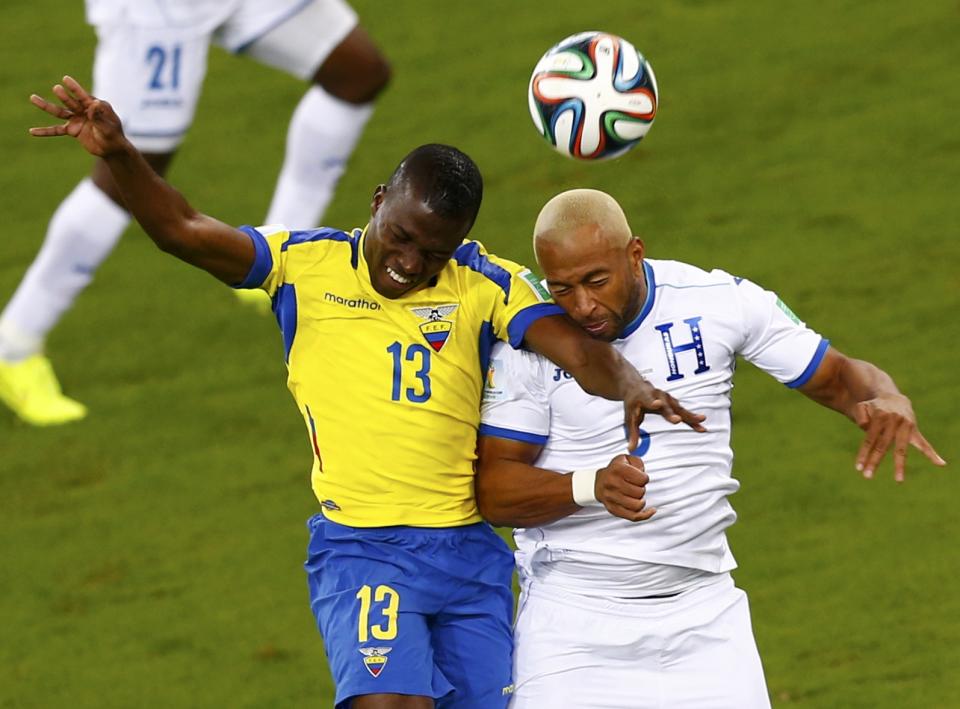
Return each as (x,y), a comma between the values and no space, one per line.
(81,233)
(321,136)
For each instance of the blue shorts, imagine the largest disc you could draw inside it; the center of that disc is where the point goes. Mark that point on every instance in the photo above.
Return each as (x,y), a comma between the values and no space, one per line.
(410,610)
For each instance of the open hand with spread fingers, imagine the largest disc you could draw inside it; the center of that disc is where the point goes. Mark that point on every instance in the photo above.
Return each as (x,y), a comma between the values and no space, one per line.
(889,421)
(647,399)
(88,119)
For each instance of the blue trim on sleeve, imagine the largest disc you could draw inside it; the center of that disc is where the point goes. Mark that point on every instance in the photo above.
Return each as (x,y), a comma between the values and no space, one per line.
(355,248)
(469,255)
(509,433)
(285,308)
(812,367)
(647,304)
(311,235)
(525,318)
(262,260)
(486,341)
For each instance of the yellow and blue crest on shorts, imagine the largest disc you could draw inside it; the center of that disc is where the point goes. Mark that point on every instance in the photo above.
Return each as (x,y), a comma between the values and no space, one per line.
(435,327)
(375,659)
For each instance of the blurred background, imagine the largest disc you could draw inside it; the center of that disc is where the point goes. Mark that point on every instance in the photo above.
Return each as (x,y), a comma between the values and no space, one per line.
(151,554)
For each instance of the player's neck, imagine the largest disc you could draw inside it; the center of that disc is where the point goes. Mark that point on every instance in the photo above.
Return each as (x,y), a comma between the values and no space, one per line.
(636,305)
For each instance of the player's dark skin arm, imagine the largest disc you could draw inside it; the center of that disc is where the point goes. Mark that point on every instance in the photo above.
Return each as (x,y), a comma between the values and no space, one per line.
(512,492)
(602,371)
(164,214)
(868,396)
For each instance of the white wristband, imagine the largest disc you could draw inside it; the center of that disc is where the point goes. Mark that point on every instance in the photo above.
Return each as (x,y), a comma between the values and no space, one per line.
(583,483)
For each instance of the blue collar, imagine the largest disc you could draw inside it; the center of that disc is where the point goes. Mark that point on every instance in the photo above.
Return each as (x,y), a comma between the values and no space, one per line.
(647,304)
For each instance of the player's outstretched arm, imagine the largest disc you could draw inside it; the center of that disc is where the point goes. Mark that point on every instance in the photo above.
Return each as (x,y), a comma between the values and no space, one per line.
(164,214)
(868,396)
(602,371)
(513,492)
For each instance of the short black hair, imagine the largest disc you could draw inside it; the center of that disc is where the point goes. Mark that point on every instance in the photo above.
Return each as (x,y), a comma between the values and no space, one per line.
(449,181)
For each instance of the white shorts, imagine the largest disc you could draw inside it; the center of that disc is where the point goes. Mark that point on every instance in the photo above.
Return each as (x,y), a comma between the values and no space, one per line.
(153,75)
(693,651)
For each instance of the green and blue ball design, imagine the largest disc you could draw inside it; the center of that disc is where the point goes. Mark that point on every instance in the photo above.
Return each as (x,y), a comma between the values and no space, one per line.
(593,96)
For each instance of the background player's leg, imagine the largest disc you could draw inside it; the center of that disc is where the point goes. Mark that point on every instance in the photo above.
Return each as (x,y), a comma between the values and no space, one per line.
(82,232)
(157,108)
(324,44)
(325,129)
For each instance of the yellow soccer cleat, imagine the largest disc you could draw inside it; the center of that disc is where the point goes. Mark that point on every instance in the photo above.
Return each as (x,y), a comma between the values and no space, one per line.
(31,390)
(256,299)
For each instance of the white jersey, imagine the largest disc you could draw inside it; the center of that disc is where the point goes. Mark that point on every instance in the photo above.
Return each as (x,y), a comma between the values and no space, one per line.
(685,341)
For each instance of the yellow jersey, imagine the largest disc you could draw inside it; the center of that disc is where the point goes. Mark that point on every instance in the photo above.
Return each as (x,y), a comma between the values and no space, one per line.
(390,389)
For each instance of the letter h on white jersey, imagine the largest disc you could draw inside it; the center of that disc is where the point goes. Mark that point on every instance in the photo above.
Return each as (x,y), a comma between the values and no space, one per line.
(695,344)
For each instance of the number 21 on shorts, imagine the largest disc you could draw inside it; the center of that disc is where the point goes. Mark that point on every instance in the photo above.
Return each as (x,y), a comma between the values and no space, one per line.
(386,629)
(164,63)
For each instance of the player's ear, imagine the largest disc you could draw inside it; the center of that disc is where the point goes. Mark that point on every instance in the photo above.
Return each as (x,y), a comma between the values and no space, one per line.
(635,252)
(378,195)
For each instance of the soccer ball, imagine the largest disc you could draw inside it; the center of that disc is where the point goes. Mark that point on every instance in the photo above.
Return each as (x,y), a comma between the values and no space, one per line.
(593,96)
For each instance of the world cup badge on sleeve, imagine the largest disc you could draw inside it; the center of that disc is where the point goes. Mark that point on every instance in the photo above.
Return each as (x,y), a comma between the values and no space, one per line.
(493,387)
(435,327)
(375,659)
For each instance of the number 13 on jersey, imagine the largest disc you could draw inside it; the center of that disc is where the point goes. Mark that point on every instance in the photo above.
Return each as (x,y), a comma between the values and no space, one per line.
(416,361)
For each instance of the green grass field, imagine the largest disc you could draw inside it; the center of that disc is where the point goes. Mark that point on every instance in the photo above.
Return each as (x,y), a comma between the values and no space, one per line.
(151,555)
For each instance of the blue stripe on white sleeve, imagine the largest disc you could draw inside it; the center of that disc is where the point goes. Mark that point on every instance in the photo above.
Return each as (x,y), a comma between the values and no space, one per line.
(812,367)
(509,433)
(262,260)
(525,318)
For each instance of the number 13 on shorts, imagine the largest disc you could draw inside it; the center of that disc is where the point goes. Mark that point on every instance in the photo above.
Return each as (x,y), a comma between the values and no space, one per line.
(386,628)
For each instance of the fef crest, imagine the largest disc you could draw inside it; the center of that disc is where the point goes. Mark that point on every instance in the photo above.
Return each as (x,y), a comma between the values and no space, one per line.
(436,328)
(375,659)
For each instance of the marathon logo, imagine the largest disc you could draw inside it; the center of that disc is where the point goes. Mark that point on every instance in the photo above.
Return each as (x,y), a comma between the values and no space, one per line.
(361,303)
